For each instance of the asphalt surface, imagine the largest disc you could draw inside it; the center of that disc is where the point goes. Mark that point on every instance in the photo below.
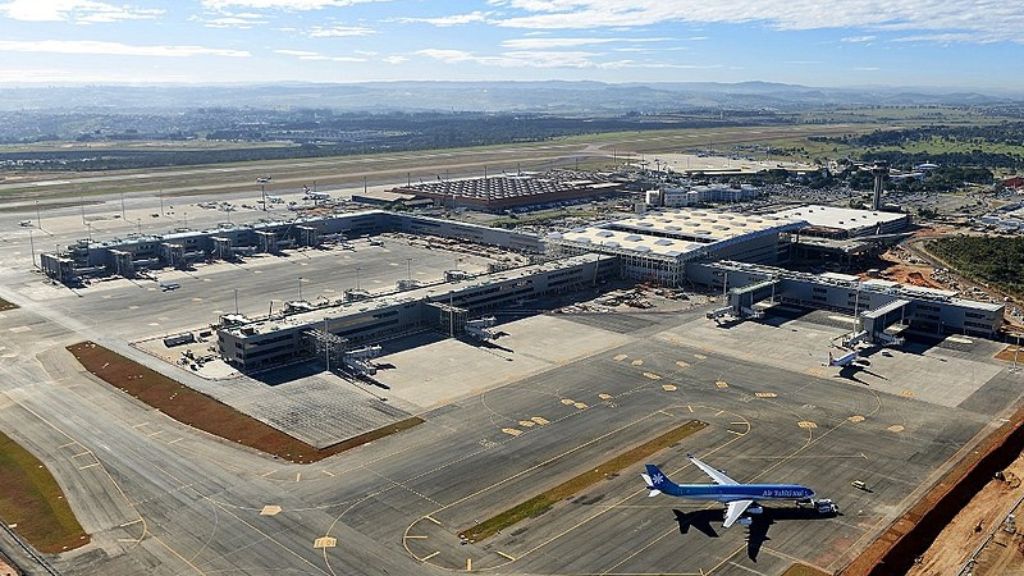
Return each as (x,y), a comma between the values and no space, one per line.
(161,498)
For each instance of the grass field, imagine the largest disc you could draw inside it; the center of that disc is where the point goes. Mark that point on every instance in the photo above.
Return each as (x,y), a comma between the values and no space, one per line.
(801,570)
(205,413)
(543,502)
(32,501)
(349,171)
(5,305)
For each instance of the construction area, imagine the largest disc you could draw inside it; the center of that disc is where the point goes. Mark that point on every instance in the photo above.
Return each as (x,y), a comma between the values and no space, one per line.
(447,397)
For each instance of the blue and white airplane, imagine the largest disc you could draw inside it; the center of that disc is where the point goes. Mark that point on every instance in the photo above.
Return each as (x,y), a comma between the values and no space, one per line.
(740,498)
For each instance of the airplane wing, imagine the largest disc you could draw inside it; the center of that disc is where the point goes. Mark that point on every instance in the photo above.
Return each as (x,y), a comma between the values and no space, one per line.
(717,475)
(735,510)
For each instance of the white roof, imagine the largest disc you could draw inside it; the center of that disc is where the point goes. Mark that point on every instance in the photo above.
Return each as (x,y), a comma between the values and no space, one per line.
(706,225)
(841,218)
(629,241)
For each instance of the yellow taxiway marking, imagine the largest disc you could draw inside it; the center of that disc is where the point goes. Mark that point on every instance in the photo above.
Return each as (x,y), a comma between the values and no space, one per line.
(738,423)
(81,454)
(506,556)
(690,408)
(512,431)
(856,418)
(766,394)
(469,564)
(669,387)
(328,472)
(325,542)
(895,428)
(429,556)
(416,537)
(265,474)
(540,420)
(127,541)
(652,376)
(140,425)
(298,476)
(682,364)
(720,412)
(620,357)
(907,393)
(722,384)
(87,466)
(737,433)
(580,406)
(568,401)
(806,424)
(432,519)
(270,510)
(527,423)
(637,363)
(157,433)
(700,357)
(176,440)
(603,396)
(69,444)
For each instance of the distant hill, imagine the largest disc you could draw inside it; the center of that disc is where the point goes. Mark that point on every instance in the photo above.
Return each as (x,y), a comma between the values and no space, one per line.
(583,98)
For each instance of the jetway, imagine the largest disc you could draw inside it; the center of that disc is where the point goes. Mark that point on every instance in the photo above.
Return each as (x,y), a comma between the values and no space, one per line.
(481,329)
(743,299)
(875,322)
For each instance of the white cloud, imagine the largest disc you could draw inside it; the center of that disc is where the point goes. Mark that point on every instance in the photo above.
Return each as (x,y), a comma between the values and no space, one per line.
(452,20)
(545,43)
(298,5)
(316,56)
(394,59)
(340,31)
(857,39)
(81,11)
(982,20)
(545,59)
(114,49)
(240,20)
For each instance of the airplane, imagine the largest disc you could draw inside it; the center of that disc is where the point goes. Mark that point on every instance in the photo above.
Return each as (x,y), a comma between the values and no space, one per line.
(310,195)
(169,286)
(845,360)
(740,498)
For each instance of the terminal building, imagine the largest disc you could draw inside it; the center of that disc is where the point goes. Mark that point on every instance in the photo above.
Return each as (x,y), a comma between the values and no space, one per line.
(657,246)
(840,223)
(877,304)
(698,195)
(127,257)
(334,328)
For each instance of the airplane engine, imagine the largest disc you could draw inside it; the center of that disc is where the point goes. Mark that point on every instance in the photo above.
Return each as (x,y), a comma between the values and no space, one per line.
(745,521)
(755,510)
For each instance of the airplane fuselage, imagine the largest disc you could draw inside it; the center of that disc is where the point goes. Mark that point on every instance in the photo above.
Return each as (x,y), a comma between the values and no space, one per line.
(734,492)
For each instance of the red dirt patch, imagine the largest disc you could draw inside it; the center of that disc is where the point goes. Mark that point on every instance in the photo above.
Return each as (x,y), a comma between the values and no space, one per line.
(208,414)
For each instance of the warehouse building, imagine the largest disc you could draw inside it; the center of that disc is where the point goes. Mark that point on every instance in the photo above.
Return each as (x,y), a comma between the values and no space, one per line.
(656,246)
(268,342)
(495,193)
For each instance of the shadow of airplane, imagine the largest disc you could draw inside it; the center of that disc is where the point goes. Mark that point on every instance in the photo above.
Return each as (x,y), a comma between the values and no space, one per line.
(757,531)
(850,371)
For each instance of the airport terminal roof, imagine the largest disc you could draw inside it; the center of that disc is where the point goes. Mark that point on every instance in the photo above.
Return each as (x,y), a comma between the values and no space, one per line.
(703,226)
(841,218)
(674,233)
(640,244)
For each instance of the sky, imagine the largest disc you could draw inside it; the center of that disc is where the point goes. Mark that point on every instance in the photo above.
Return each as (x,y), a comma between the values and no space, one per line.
(970,45)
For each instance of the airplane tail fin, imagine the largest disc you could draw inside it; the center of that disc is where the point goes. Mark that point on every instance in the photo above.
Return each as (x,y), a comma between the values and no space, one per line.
(656,480)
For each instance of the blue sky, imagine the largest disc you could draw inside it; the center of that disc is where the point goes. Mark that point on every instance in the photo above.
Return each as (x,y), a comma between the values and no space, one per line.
(961,44)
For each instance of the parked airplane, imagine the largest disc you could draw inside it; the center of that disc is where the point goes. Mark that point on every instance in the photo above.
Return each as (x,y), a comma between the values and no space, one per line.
(740,498)
(310,195)
(169,286)
(844,360)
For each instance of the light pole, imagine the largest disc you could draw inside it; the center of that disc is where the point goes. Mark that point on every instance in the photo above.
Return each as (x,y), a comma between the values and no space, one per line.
(32,244)
(236,301)
(81,204)
(39,218)
(408,268)
(358,270)
(300,288)
(161,193)
(139,220)
(122,206)
(88,226)
(262,181)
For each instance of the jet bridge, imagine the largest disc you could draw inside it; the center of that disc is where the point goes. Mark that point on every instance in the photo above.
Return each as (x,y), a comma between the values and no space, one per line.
(742,299)
(874,322)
